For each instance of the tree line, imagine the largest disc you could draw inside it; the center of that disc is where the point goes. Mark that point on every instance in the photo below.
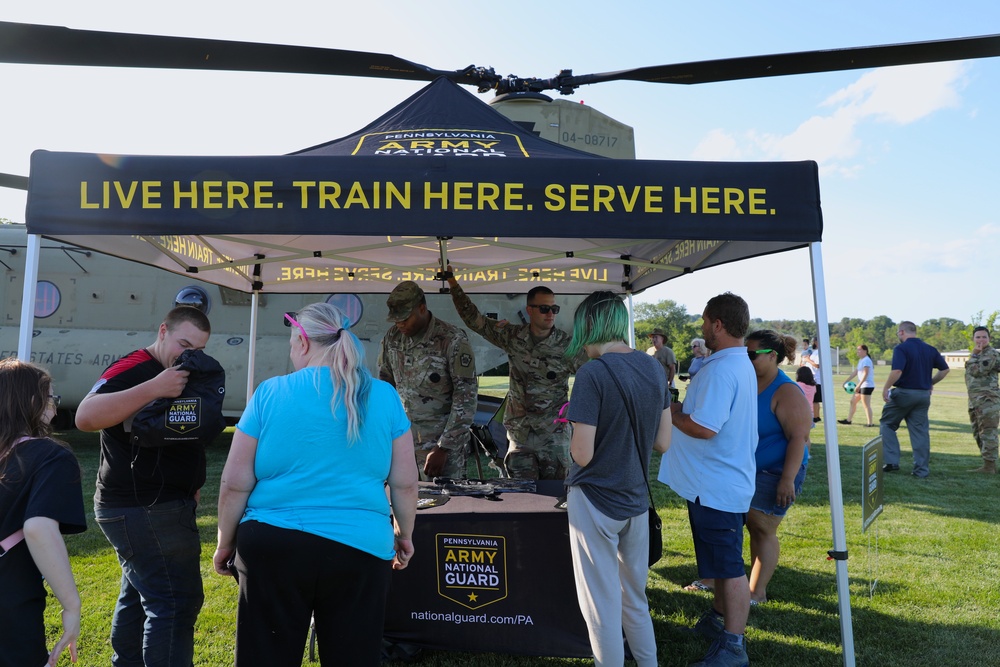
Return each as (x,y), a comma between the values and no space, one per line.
(878,333)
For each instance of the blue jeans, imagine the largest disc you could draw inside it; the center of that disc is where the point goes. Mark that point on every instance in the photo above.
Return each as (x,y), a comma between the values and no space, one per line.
(911,405)
(159,551)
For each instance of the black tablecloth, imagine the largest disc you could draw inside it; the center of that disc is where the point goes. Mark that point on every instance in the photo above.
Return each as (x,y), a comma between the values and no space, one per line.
(490,575)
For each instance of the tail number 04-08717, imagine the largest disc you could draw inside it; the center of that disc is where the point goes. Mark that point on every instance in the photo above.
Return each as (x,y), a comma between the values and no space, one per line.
(589,139)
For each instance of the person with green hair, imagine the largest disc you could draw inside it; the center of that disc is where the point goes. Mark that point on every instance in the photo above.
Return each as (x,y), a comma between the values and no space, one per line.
(620,410)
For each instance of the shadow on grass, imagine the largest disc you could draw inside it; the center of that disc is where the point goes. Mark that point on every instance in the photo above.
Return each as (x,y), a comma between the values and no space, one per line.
(946,492)
(800,624)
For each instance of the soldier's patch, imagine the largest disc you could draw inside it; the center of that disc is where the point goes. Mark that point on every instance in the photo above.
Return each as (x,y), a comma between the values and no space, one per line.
(472,569)
(465,360)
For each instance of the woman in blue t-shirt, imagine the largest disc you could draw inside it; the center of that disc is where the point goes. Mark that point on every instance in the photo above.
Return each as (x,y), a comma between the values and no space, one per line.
(303,513)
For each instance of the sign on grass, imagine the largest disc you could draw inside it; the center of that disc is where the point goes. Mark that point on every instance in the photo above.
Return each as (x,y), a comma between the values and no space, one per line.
(871,482)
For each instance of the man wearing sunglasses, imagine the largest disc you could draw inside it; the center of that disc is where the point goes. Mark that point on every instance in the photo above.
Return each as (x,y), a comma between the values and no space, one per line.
(539,381)
(431,365)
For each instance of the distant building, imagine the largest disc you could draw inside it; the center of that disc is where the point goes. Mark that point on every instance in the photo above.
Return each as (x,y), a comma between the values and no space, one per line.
(956,359)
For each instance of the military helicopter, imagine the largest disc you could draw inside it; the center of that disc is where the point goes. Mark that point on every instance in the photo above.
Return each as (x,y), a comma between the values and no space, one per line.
(93,308)
(523,99)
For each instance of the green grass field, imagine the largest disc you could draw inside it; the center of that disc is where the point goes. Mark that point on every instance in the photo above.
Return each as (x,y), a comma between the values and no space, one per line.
(937,542)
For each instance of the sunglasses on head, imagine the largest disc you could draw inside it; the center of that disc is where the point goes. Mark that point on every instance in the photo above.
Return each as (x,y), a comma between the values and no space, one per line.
(753,353)
(545,309)
(290,321)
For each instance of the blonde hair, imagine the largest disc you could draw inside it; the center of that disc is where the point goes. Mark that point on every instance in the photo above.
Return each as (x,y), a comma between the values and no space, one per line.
(341,351)
(700,344)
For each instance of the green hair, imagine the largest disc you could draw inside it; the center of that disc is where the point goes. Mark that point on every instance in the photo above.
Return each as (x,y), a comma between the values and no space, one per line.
(601,318)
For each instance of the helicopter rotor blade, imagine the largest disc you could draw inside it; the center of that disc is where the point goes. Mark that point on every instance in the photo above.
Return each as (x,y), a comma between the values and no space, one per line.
(13,181)
(54,45)
(804,62)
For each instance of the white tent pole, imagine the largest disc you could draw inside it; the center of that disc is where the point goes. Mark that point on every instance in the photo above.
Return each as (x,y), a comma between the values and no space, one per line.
(839,551)
(631,321)
(443,259)
(28,297)
(254,303)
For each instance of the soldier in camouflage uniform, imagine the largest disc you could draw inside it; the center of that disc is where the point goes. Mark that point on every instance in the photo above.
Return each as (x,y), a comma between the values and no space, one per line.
(984,397)
(431,364)
(539,381)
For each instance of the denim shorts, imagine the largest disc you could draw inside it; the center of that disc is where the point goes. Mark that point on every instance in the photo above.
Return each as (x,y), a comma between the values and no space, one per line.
(718,541)
(765,495)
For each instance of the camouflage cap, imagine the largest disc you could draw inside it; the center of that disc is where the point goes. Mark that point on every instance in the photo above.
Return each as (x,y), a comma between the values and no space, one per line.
(658,332)
(403,299)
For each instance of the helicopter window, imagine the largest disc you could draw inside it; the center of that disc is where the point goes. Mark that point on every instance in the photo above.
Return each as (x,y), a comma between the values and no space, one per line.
(349,304)
(47,299)
(192,295)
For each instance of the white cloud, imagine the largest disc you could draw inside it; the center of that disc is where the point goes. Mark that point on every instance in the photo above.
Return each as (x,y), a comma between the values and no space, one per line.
(902,94)
(943,255)
(718,145)
(898,95)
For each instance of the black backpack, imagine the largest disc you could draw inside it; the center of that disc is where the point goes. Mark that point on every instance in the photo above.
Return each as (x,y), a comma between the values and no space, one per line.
(194,417)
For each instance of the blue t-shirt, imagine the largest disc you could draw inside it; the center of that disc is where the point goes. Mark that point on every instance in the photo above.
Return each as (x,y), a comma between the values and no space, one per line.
(916,359)
(309,477)
(772,445)
(720,471)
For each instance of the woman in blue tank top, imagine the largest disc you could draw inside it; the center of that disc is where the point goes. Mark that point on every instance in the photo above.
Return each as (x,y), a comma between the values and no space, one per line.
(783,422)
(784,418)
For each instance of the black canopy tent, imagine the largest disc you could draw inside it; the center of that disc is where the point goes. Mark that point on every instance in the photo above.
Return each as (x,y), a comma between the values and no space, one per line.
(441,178)
(372,208)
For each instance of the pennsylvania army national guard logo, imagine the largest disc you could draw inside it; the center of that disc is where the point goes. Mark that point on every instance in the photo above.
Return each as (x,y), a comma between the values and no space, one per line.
(183,415)
(472,569)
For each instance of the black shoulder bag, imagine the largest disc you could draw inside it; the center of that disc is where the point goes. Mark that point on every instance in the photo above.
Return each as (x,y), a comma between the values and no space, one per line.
(655,524)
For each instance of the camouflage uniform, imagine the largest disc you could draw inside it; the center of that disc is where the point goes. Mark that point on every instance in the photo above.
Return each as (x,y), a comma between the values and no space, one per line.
(435,375)
(984,399)
(539,386)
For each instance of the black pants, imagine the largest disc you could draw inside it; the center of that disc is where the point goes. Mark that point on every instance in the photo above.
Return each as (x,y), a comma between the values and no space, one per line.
(288,575)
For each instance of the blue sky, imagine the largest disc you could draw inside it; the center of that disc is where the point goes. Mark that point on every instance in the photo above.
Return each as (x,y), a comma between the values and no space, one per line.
(908,155)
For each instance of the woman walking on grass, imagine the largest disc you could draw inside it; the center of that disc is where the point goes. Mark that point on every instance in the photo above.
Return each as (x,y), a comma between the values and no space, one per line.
(865,372)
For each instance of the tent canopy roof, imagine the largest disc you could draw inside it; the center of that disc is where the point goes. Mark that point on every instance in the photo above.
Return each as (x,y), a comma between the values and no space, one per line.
(441,177)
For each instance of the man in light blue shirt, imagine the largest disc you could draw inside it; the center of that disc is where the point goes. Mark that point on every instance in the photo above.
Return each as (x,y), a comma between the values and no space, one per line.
(710,464)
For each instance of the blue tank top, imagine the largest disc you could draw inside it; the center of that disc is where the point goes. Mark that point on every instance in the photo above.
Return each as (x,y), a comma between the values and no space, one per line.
(771,441)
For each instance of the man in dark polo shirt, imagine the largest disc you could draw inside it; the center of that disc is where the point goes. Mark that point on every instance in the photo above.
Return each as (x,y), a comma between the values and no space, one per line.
(907,395)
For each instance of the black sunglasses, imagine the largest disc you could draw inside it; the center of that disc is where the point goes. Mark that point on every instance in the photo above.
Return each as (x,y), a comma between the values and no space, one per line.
(753,353)
(545,310)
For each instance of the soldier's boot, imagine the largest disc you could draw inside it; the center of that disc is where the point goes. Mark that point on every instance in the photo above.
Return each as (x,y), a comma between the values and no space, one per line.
(988,468)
